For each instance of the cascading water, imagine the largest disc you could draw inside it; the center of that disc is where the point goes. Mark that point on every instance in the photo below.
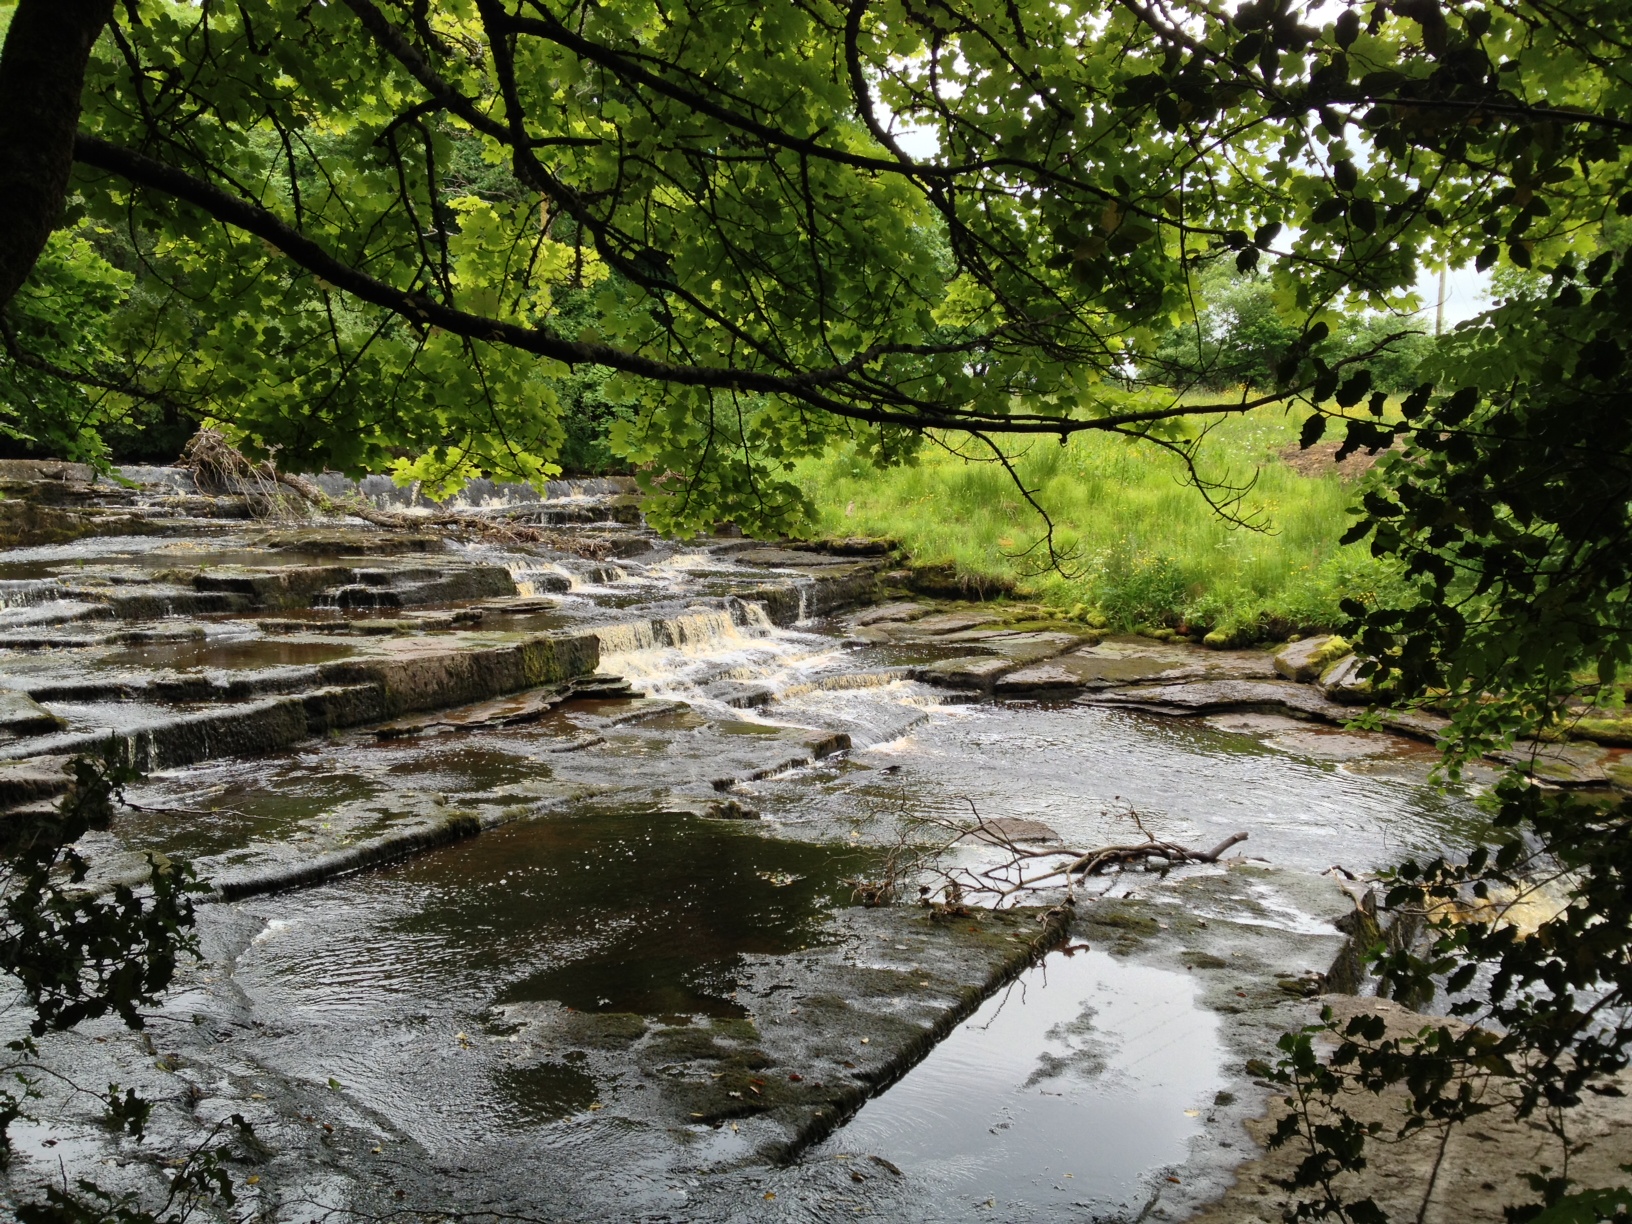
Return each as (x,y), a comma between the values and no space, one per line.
(583,981)
(533,579)
(30,592)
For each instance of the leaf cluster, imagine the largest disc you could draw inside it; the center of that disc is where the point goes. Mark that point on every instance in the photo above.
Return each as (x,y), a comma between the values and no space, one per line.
(1531,948)
(79,953)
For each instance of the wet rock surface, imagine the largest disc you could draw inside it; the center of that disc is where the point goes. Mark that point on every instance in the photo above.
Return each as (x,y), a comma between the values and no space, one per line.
(1478,1171)
(536,865)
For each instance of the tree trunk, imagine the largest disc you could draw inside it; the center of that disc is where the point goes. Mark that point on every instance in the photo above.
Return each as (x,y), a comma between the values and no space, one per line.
(42,72)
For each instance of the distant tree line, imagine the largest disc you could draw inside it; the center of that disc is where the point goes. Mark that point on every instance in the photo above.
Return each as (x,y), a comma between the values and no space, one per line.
(1241,334)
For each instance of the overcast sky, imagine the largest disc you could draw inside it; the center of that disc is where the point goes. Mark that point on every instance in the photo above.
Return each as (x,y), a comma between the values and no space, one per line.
(1465,291)
(1465,288)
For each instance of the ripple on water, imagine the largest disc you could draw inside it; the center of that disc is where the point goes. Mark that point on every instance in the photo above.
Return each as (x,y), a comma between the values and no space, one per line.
(611,911)
(1079,769)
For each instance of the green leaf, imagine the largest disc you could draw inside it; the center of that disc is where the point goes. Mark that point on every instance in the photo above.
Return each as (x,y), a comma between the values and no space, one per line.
(1328,210)
(1354,389)
(1586,1207)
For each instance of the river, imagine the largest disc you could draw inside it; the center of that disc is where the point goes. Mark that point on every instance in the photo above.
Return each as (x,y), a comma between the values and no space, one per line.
(584,944)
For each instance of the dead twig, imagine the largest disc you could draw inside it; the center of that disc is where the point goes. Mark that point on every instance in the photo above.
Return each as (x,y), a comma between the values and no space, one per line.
(219,467)
(152,810)
(1013,879)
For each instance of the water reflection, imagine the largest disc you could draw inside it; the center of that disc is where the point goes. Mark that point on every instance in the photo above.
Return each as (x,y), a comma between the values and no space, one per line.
(1080,1085)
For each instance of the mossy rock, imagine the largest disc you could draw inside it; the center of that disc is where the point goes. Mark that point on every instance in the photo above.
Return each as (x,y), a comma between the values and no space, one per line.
(1614,730)
(737,1093)
(604,1030)
(1122,918)
(695,1043)
(1305,659)
(947,581)
(1343,683)
(734,1028)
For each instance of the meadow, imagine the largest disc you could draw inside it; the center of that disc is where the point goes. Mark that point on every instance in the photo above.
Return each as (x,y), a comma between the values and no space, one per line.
(1140,547)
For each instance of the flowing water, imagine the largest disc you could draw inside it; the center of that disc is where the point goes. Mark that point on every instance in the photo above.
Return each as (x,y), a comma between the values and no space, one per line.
(428,1006)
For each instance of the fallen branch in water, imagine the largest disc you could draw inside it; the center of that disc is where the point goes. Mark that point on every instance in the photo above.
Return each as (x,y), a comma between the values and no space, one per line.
(1062,866)
(358,506)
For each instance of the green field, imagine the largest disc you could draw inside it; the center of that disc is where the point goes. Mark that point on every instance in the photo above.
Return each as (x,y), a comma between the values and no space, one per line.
(1144,549)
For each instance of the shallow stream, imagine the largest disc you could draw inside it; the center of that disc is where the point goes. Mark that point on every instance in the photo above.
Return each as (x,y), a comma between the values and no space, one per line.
(494,1024)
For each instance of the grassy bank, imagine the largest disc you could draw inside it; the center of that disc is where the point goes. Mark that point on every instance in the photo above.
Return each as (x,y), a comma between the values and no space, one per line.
(1148,551)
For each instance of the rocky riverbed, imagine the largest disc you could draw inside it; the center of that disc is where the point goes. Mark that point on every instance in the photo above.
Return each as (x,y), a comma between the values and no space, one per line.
(534,843)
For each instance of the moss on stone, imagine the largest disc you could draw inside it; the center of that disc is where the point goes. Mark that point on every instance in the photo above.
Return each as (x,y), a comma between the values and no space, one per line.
(604,1030)
(1119,916)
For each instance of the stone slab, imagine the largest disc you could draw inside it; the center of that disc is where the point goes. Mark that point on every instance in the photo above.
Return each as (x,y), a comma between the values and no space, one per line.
(889,612)
(21,715)
(1304,660)
(969,672)
(1222,696)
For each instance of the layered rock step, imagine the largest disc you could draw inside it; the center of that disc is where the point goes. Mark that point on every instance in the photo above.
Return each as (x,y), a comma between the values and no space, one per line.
(188,640)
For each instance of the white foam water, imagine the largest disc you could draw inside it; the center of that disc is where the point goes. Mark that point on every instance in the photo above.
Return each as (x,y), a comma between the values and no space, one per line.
(29,592)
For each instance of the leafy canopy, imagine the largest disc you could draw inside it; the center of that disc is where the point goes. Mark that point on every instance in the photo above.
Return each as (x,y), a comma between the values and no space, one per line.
(385,231)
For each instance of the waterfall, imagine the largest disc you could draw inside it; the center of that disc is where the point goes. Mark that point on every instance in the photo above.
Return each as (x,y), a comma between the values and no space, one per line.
(29,592)
(697,633)
(533,579)
(844,682)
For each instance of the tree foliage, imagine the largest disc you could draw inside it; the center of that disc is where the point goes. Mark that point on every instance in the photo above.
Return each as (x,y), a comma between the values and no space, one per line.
(1239,337)
(384,213)
(79,952)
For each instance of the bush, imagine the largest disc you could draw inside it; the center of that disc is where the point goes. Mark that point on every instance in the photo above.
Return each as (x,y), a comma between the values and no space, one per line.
(1134,589)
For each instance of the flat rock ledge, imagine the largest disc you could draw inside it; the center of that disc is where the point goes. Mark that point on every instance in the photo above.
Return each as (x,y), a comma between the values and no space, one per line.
(1479,1171)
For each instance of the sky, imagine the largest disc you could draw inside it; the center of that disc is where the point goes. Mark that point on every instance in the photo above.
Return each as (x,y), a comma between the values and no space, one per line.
(1465,293)
(1465,288)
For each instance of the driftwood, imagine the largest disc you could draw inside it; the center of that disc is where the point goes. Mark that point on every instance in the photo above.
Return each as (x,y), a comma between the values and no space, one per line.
(218,466)
(1057,866)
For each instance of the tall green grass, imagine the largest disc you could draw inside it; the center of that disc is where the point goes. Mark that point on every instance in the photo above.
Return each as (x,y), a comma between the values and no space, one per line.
(1143,548)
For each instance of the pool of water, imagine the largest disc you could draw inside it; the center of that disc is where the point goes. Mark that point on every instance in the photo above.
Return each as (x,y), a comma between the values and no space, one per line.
(1073,1091)
(377,981)
(225,654)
